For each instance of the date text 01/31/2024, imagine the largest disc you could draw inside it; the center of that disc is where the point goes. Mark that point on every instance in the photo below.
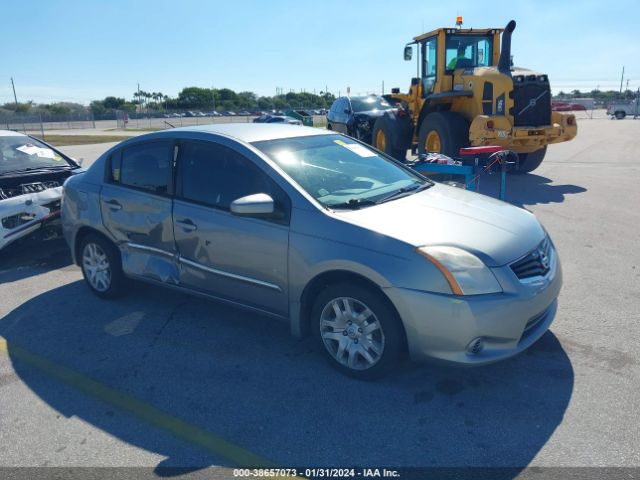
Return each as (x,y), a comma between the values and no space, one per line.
(315,472)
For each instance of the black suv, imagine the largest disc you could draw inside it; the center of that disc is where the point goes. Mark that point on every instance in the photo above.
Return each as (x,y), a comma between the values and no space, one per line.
(355,116)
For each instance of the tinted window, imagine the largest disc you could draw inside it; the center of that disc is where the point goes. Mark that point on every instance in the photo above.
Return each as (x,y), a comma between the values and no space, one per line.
(215,175)
(147,166)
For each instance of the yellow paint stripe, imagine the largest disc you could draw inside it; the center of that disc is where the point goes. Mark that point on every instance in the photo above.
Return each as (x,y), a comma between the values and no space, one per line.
(152,415)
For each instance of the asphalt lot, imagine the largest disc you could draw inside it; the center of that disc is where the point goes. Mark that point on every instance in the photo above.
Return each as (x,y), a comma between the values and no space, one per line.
(160,379)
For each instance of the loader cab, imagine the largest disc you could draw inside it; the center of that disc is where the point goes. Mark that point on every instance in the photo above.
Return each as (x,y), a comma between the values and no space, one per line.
(445,50)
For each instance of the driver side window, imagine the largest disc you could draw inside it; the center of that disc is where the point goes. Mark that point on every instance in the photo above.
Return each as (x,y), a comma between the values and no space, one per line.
(429,65)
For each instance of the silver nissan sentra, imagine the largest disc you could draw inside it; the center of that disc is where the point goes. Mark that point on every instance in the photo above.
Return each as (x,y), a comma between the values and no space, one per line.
(322,231)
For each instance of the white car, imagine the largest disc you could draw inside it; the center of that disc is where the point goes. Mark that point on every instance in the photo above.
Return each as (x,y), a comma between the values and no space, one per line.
(31,178)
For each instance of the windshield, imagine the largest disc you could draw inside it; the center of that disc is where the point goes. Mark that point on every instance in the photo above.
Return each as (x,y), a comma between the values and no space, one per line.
(466,51)
(369,103)
(340,172)
(21,152)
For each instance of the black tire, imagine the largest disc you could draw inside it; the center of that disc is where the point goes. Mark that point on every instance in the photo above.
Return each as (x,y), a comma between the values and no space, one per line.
(620,114)
(383,126)
(386,336)
(452,129)
(116,279)
(528,162)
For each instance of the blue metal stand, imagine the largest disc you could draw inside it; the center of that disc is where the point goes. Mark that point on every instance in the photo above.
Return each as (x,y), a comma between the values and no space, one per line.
(471,173)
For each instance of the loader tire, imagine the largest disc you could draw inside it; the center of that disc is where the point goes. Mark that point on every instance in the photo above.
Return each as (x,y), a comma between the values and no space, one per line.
(384,135)
(443,132)
(528,162)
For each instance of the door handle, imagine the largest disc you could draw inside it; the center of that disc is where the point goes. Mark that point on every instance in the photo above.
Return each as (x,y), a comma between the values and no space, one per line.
(113,205)
(187,225)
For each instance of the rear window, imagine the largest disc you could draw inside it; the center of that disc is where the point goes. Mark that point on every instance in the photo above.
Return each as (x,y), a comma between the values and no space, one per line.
(147,166)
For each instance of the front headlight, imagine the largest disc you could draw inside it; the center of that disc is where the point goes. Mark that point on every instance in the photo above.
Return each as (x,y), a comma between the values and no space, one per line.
(465,273)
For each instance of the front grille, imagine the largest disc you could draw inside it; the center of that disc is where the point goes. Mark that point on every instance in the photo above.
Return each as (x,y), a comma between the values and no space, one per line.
(536,263)
(532,101)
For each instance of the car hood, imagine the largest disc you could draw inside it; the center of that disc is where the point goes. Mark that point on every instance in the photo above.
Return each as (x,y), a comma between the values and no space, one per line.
(495,231)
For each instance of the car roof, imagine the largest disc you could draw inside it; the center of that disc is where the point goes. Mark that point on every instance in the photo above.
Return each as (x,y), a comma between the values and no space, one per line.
(255,132)
(11,133)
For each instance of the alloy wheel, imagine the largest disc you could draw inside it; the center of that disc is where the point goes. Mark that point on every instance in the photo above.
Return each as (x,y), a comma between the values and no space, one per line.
(95,264)
(352,333)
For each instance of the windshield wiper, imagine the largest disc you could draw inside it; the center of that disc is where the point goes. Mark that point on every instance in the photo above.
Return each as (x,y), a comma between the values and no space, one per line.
(51,168)
(404,191)
(354,203)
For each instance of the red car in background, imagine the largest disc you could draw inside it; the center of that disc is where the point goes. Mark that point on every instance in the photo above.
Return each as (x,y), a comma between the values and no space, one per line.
(560,106)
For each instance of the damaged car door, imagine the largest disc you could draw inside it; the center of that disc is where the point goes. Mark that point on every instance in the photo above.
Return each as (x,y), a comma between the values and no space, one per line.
(238,257)
(136,204)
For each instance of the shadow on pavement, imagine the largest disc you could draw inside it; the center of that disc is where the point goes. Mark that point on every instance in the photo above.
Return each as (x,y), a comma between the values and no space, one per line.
(244,378)
(528,189)
(33,255)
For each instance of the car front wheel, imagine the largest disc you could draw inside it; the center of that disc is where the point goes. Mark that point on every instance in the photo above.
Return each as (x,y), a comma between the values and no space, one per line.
(358,332)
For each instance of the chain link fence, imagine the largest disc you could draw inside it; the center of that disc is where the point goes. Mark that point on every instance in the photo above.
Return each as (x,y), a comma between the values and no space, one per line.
(152,120)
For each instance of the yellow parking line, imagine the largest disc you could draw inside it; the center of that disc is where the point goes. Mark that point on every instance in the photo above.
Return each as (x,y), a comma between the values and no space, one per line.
(152,415)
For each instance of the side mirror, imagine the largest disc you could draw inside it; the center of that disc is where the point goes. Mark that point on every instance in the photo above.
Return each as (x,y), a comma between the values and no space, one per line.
(408,53)
(256,204)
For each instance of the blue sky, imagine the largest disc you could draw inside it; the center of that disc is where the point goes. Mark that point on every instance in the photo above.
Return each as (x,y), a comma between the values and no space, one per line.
(72,50)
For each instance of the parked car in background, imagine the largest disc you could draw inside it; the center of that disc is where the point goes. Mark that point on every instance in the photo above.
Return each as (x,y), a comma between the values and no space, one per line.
(229,114)
(355,116)
(31,178)
(319,230)
(244,113)
(282,119)
(262,118)
(620,110)
(277,119)
(560,106)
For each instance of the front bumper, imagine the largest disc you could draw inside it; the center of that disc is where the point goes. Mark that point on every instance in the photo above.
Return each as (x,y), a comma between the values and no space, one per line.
(23,214)
(442,327)
(522,139)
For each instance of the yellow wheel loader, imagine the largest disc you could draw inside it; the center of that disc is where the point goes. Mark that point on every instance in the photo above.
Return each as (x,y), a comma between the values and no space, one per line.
(467,93)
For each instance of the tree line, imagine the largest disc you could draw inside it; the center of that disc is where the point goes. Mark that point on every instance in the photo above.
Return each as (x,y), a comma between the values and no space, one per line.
(598,95)
(209,99)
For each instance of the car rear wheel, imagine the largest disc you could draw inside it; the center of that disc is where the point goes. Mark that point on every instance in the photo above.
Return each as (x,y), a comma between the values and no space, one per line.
(620,114)
(528,162)
(358,332)
(101,266)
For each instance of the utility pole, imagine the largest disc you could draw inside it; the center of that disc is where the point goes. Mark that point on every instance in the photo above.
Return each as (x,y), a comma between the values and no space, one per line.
(382,87)
(14,93)
(621,80)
